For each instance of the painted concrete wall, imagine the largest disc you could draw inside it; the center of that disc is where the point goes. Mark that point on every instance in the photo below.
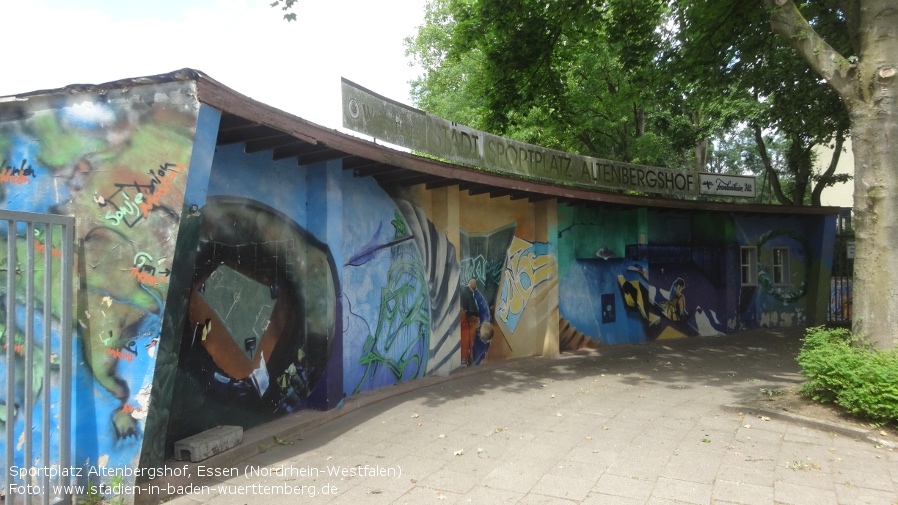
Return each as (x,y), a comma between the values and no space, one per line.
(638,275)
(311,285)
(222,287)
(262,311)
(119,163)
(504,248)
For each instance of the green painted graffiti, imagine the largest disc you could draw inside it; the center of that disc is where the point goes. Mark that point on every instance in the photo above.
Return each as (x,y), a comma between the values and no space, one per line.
(401,340)
(764,277)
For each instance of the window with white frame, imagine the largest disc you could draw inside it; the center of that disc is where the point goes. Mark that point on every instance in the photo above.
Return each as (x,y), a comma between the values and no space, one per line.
(780,265)
(749,261)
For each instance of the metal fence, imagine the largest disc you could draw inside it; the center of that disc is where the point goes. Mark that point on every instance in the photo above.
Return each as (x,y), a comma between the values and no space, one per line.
(842,280)
(37,356)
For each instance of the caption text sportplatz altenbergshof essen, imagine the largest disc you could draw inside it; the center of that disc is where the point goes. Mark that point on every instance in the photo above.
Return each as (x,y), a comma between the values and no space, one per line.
(249,472)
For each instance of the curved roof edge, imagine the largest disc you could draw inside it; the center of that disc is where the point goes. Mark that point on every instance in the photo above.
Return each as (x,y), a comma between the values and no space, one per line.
(229,101)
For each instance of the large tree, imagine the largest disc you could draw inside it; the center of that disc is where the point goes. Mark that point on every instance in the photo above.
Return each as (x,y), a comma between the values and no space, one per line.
(866,82)
(575,76)
(630,80)
(524,56)
(520,44)
(725,48)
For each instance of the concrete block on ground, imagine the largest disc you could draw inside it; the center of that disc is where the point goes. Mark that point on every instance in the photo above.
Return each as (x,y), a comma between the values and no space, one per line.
(208,443)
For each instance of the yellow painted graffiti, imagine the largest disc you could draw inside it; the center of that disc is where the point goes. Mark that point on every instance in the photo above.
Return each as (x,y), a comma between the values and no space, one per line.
(523,272)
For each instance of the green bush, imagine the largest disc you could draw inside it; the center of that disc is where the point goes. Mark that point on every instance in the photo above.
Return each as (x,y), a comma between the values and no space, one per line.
(844,370)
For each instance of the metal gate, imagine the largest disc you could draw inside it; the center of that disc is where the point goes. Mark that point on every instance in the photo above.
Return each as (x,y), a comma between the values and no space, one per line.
(842,280)
(36,362)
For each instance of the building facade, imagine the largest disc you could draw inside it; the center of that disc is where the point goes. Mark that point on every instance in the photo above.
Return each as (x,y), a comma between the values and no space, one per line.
(235,263)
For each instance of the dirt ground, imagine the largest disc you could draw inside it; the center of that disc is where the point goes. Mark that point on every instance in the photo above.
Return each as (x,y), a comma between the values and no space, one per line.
(791,400)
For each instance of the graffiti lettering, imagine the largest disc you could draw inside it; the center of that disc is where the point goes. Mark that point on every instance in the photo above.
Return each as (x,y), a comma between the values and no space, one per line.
(139,188)
(6,178)
(20,175)
(141,258)
(161,173)
(400,342)
(140,263)
(144,277)
(528,265)
(17,348)
(130,409)
(41,248)
(485,270)
(127,209)
(160,186)
(118,354)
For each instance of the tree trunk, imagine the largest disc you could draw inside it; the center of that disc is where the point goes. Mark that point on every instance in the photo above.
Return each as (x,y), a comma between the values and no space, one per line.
(873,108)
(875,144)
(824,180)
(639,119)
(800,165)
(868,89)
(772,176)
(701,156)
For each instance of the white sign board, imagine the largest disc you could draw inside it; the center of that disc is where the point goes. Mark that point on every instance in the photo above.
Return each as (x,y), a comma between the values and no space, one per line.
(727,185)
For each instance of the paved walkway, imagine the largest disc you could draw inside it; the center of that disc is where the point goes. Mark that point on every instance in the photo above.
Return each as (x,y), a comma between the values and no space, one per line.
(653,424)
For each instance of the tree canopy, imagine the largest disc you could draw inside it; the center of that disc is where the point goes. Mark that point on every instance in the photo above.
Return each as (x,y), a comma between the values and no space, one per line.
(653,81)
(629,80)
(733,39)
(567,75)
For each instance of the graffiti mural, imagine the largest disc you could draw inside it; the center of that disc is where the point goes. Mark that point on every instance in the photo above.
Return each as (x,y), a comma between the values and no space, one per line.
(527,266)
(482,265)
(115,164)
(397,345)
(441,274)
(261,317)
(667,288)
(483,259)
(401,291)
(664,312)
(776,293)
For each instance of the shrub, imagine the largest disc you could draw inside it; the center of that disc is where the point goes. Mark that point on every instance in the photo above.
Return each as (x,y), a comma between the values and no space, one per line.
(844,370)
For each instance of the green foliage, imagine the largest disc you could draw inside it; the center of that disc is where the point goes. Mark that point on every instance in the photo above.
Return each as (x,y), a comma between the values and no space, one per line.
(574,76)
(736,152)
(92,496)
(726,48)
(285,6)
(642,81)
(843,369)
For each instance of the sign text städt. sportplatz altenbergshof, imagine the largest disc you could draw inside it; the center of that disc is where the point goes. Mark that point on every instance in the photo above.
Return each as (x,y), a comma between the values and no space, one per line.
(371,114)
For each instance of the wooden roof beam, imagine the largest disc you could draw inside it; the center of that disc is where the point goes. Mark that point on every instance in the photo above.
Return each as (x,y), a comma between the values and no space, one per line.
(247,134)
(536,197)
(267,144)
(503,192)
(320,156)
(412,179)
(377,169)
(442,183)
